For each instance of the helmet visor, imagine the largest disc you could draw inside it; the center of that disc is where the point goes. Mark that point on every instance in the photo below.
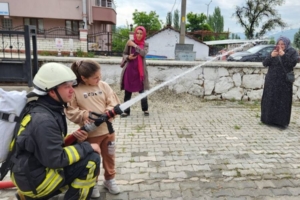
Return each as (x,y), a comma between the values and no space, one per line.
(69,83)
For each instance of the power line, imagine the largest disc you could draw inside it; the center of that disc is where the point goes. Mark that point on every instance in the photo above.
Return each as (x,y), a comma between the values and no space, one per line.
(173,6)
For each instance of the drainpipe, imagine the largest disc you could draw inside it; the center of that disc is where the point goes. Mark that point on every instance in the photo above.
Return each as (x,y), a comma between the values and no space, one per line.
(84,13)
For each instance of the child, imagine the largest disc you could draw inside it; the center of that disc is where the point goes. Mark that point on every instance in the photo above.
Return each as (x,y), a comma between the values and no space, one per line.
(92,94)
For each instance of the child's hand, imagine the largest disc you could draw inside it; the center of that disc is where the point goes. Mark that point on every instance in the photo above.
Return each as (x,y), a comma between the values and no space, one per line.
(86,119)
(96,147)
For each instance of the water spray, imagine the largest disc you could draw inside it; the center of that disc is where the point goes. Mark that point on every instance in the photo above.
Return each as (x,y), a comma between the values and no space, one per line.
(119,109)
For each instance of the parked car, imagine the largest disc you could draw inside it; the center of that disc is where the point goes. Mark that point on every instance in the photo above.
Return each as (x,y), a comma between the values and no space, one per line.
(254,54)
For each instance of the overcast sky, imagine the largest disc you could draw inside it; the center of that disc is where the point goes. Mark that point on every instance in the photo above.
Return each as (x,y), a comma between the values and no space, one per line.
(289,11)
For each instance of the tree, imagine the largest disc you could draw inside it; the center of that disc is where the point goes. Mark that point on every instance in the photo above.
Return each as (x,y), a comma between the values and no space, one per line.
(196,22)
(176,20)
(272,41)
(216,21)
(169,19)
(119,38)
(297,39)
(259,14)
(150,21)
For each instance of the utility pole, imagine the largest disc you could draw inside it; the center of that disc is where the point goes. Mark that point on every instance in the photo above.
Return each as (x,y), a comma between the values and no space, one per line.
(182,22)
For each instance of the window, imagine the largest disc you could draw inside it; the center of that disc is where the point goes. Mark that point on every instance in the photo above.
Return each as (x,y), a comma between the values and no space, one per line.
(72,27)
(35,22)
(103,3)
(6,23)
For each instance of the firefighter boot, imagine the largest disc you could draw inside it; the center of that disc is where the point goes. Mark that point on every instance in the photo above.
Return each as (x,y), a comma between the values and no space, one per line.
(20,196)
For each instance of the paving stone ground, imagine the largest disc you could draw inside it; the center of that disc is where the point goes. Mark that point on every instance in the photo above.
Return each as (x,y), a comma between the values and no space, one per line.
(216,150)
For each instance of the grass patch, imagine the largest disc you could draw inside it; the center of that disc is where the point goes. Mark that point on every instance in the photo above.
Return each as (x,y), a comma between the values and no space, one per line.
(138,128)
(236,127)
(238,173)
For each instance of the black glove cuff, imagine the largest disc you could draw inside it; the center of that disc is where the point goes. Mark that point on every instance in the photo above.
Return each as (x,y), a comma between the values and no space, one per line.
(118,110)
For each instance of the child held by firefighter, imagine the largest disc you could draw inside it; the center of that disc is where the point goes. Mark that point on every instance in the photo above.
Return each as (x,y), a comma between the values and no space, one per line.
(93,95)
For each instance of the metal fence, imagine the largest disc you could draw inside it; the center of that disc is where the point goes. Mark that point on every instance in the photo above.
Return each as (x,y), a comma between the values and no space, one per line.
(55,32)
(106,43)
(14,65)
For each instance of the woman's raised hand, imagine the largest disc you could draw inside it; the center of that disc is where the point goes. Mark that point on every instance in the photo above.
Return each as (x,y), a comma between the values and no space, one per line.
(131,43)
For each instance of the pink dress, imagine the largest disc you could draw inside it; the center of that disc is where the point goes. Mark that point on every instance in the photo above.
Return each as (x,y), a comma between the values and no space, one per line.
(131,79)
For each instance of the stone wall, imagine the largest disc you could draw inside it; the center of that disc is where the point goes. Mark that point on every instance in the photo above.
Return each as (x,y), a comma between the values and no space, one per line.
(207,80)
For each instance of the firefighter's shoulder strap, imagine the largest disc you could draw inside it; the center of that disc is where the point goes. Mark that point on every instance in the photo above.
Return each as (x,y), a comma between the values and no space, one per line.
(8,164)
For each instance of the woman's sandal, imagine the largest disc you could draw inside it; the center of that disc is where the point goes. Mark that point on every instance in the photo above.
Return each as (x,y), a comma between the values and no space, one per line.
(124,115)
(146,113)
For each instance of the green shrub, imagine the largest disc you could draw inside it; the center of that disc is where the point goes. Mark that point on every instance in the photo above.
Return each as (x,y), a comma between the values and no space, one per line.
(91,54)
(79,53)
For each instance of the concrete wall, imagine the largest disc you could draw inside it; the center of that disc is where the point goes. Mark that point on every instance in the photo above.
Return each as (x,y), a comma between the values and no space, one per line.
(210,81)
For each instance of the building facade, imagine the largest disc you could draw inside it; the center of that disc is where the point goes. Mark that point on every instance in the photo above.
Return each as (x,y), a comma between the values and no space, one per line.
(163,42)
(93,15)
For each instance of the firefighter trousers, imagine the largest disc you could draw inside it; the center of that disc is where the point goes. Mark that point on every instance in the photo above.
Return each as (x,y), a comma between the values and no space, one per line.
(79,180)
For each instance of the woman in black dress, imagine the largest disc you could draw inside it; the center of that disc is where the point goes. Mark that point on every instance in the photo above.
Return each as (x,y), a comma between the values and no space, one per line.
(276,104)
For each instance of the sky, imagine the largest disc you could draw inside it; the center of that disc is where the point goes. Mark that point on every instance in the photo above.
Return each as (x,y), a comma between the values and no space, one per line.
(289,11)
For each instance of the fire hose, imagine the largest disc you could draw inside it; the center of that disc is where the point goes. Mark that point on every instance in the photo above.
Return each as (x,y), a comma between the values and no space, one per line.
(98,119)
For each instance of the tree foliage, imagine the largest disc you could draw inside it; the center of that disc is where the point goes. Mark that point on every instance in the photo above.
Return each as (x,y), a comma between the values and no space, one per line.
(176,21)
(196,22)
(169,19)
(119,38)
(297,39)
(216,21)
(235,36)
(259,15)
(150,21)
(272,41)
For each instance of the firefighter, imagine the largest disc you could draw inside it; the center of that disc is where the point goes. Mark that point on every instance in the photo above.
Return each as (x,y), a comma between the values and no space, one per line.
(43,165)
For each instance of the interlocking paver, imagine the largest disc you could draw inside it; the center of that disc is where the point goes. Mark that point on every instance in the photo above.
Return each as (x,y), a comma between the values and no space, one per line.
(219,151)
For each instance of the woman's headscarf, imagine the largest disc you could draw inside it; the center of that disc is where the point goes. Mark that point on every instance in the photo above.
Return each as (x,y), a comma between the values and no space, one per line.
(141,44)
(286,41)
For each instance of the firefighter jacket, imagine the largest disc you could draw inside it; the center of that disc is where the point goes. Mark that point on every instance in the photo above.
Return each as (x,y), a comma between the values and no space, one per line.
(40,151)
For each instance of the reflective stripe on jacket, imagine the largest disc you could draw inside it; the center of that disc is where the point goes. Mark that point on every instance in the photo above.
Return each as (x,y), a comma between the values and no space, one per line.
(40,143)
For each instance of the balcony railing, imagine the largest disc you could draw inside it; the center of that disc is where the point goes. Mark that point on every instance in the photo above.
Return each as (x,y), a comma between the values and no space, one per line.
(105,4)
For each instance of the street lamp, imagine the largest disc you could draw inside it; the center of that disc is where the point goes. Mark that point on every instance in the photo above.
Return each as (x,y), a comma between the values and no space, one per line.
(208,8)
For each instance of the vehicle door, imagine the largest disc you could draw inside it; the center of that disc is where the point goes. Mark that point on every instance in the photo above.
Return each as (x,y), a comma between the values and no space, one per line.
(263,53)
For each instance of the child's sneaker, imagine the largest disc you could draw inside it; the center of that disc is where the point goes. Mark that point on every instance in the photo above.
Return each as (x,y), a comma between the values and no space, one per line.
(95,193)
(112,186)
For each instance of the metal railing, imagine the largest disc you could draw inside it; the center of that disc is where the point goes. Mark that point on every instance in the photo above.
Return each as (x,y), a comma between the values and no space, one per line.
(105,3)
(55,32)
(59,32)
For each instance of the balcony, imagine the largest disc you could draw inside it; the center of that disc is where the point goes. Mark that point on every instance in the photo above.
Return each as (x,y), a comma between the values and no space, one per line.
(105,4)
(104,11)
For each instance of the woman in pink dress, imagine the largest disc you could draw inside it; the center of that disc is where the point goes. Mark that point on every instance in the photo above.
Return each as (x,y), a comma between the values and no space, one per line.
(134,76)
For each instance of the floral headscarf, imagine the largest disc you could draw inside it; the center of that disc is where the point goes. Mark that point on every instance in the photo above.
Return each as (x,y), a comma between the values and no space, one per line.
(140,43)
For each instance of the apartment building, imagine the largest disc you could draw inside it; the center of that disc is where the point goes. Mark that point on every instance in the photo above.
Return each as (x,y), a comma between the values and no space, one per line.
(93,15)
